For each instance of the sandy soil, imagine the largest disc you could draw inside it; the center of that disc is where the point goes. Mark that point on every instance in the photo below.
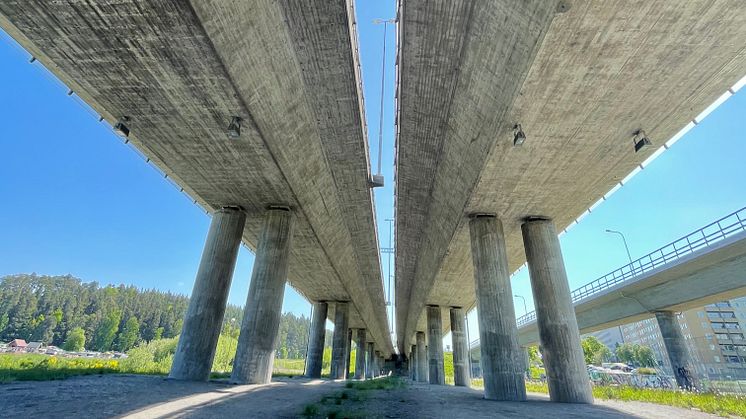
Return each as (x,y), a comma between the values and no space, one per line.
(155,397)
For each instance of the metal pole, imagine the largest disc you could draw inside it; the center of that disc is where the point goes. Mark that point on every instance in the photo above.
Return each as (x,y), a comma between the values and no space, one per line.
(525,310)
(625,243)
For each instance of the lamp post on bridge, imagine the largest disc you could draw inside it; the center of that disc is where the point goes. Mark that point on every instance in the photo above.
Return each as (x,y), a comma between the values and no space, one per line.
(525,310)
(625,243)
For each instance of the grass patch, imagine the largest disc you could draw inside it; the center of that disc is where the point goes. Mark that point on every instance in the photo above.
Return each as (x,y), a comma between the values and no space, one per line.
(718,404)
(344,404)
(310,410)
(145,360)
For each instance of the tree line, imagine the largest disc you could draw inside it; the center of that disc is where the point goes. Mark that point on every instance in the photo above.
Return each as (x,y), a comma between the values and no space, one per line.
(65,311)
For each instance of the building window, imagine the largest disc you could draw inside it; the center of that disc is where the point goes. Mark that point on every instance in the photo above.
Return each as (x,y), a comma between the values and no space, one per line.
(732,359)
(736,336)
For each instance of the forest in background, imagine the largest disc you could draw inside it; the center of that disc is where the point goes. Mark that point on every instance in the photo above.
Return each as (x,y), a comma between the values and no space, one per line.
(57,309)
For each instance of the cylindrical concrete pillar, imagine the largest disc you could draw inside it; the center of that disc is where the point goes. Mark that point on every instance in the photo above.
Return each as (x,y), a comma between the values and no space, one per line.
(204,317)
(678,352)
(348,354)
(369,373)
(339,340)
(255,353)
(461,374)
(413,363)
(559,335)
(360,342)
(436,371)
(421,358)
(315,355)
(501,355)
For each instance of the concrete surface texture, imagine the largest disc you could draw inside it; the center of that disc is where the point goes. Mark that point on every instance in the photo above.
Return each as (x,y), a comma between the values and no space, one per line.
(204,318)
(181,70)
(562,354)
(255,352)
(315,358)
(677,349)
(579,76)
(501,357)
(340,341)
(361,345)
(436,373)
(461,365)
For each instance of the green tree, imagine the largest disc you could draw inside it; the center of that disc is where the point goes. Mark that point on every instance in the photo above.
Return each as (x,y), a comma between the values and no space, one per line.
(107,330)
(75,340)
(644,356)
(634,354)
(129,334)
(594,352)
(533,355)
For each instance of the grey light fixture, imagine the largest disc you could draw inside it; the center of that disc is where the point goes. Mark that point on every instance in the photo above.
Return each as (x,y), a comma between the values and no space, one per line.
(376,181)
(518,135)
(641,140)
(121,128)
(234,128)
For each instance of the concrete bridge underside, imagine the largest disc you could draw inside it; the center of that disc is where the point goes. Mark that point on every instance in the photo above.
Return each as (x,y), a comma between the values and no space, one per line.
(580,77)
(180,71)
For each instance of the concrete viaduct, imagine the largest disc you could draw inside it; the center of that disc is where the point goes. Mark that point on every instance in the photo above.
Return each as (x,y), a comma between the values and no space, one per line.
(513,117)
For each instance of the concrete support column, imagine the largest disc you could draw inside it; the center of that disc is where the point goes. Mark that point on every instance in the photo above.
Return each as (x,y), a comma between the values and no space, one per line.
(461,373)
(371,361)
(498,333)
(678,352)
(421,358)
(360,354)
(339,340)
(315,355)
(255,353)
(204,317)
(436,369)
(379,364)
(348,354)
(566,372)
(413,363)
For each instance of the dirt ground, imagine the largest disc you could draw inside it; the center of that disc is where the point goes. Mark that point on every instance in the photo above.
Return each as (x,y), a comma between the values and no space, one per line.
(155,397)
(426,401)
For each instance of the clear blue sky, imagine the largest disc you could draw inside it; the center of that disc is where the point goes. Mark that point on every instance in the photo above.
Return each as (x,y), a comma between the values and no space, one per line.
(76,200)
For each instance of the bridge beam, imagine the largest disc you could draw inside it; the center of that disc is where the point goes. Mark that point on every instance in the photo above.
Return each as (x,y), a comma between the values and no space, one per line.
(461,373)
(435,345)
(256,343)
(501,356)
(315,357)
(677,350)
(339,340)
(360,342)
(202,323)
(566,372)
(421,357)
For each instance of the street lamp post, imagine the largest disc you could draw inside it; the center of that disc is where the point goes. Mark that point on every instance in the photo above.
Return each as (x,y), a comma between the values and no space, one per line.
(625,242)
(525,310)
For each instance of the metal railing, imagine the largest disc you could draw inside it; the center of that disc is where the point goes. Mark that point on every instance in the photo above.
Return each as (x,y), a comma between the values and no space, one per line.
(706,236)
